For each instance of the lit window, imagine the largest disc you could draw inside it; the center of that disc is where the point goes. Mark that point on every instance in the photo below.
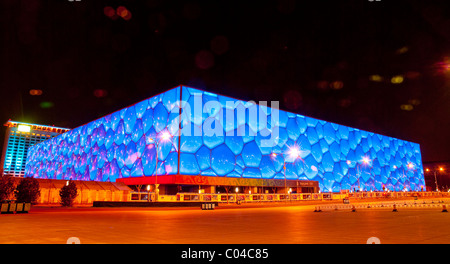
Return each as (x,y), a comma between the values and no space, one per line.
(24,128)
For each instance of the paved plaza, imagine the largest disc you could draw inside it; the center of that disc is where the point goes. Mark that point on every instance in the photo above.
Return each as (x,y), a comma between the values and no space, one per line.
(227,225)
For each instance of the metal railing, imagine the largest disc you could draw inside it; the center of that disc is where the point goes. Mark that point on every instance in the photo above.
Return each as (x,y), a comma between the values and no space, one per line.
(252,198)
(400,204)
(397,195)
(277,197)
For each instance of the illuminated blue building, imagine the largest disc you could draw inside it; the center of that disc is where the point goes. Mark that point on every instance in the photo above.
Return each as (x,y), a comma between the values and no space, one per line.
(204,139)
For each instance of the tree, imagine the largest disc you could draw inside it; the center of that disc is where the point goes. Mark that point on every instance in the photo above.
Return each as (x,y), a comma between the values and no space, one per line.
(27,191)
(68,193)
(7,186)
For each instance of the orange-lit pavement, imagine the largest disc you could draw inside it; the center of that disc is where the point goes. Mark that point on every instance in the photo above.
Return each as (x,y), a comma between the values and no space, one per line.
(233,225)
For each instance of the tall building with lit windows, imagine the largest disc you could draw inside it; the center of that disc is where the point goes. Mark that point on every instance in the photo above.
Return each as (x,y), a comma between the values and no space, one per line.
(18,138)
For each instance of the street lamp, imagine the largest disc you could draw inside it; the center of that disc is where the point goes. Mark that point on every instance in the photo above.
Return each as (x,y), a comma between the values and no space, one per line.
(411,167)
(164,137)
(435,178)
(365,161)
(284,168)
(294,153)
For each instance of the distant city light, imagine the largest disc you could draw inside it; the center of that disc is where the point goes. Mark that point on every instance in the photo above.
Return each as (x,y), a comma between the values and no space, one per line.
(35,92)
(337,85)
(110,12)
(204,59)
(376,78)
(46,104)
(402,50)
(123,12)
(322,85)
(219,45)
(406,107)
(397,79)
(414,102)
(444,65)
(100,93)
(412,75)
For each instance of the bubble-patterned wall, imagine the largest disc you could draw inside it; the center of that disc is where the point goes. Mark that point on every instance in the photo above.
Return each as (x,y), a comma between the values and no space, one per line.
(223,137)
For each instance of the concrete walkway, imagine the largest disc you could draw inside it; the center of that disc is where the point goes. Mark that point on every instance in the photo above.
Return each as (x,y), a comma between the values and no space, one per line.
(231,224)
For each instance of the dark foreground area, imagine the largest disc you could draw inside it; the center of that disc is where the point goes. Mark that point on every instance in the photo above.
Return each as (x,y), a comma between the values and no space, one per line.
(294,224)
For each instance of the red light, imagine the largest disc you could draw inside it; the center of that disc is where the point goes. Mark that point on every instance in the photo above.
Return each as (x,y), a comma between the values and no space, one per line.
(444,65)
(110,12)
(322,85)
(124,13)
(337,85)
(35,92)
(204,59)
(219,45)
(100,93)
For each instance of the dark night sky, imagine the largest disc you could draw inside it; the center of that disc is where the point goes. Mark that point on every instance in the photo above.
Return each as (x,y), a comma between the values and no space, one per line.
(331,60)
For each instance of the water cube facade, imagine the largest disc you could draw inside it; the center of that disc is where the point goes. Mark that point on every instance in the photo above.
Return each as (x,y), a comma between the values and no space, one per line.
(217,136)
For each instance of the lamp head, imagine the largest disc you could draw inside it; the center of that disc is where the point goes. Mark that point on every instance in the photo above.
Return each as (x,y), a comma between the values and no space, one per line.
(165,136)
(366,160)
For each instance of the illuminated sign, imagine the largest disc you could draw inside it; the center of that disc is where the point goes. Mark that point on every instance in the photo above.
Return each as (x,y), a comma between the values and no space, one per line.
(23,128)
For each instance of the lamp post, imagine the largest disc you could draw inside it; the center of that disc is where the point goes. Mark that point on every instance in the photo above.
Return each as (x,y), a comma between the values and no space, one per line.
(164,137)
(285,185)
(411,167)
(435,178)
(365,161)
(294,153)
(274,155)
(284,169)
